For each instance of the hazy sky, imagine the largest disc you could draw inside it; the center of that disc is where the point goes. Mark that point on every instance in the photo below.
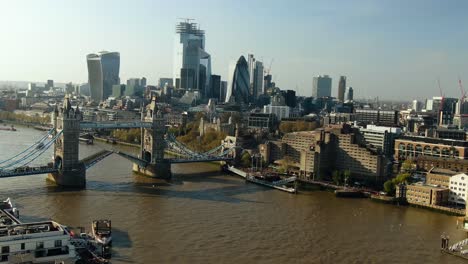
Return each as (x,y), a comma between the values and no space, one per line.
(392,49)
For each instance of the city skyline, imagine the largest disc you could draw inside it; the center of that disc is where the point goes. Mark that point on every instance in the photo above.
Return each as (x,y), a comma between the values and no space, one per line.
(384,48)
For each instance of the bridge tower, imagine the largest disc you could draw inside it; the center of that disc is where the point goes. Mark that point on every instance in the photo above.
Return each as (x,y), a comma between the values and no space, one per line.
(71,171)
(153,144)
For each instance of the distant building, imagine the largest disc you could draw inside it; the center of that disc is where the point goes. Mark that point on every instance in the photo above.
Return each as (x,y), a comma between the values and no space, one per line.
(377,117)
(349,94)
(49,84)
(238,86)
(118,90)
(261,121)
(222,95)
(163,81)
(192,64)
(215,88)
(417,146)
(381,138)
(84,89)
(290,98)
(134,87)
(341,88)
(322,86)
(279,111)
(416,106)
(103,72)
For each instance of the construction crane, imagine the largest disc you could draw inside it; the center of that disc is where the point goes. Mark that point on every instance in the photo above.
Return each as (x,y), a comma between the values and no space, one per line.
(268,70)
(463,96)
(441,106)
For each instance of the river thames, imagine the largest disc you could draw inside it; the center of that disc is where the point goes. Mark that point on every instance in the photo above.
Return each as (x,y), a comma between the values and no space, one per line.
(205,216)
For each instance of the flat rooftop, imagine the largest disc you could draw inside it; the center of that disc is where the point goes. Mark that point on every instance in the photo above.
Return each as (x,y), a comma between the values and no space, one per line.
(29,228)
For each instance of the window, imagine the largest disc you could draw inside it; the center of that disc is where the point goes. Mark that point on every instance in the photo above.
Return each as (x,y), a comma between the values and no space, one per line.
(23,246)
(39,245)
(58,243)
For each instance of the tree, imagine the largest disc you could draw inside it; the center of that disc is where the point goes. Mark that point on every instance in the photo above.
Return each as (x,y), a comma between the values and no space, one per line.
(346,176)
(336,176)
(389,187)
(408,165)
(286,164)
(246,160)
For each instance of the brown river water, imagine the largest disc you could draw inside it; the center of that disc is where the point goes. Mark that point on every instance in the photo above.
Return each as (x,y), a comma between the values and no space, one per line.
(206,216)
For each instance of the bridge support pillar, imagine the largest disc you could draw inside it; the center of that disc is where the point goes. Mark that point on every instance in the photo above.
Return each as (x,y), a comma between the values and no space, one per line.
(160,170)
(71,171)
(153,144)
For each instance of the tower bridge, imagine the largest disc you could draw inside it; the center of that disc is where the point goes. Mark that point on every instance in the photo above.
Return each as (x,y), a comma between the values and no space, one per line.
(67,169)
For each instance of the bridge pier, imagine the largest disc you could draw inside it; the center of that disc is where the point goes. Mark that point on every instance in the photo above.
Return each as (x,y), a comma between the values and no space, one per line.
(71,171)
(160,170)
(153,144)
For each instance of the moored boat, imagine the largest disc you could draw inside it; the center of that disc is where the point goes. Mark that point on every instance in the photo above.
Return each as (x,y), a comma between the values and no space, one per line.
(102,232)
(8,206)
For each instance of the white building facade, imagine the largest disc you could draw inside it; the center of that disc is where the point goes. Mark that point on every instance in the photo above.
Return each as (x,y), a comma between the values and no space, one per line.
(458,189)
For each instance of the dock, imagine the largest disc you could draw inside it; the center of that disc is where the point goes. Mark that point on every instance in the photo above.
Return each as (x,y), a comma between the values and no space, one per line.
(279,185)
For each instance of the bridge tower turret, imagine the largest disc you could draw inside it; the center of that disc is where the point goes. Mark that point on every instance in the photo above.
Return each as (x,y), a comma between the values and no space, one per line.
(153,144)
(71,171)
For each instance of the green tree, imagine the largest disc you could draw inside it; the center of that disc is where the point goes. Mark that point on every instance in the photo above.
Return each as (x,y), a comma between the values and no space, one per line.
(389,187)
(246,160)
(408,165)
(336,176)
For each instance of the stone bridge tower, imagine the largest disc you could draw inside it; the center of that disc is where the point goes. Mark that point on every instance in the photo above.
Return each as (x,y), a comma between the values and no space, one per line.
(71,172)
(153,144)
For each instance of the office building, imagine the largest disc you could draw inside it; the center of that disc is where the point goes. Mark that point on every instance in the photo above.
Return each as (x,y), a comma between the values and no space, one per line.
(261,121)
(49,84)
(290,98)
(321,86)
(103,72)
(215,88)
(222,96)
(281,112)
(238,85)
(118,90)
(349,94)
(377,117)
(417,146)
(163,81)
(192,64)
(256,77)
(341,89)
(458,189)
(134,87)
(416,106)
(381,138)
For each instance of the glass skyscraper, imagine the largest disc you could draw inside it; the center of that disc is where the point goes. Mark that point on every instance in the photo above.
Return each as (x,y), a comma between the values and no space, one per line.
(103,73)
(192,64)
(238,89)
(322,86)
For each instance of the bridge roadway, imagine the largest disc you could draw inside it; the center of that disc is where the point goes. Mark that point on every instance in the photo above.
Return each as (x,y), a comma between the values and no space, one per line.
(26,171)
(116,124)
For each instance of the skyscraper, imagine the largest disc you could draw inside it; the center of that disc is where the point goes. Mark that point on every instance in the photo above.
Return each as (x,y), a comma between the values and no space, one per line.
(255,76)
(238,86)
(349,94)
(341,89)
(322,86)
(192,64)
(215,87)
(103,72)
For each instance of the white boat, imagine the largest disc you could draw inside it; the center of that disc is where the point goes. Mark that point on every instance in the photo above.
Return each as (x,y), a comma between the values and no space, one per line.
(102,232)
(37,242)
(8,206)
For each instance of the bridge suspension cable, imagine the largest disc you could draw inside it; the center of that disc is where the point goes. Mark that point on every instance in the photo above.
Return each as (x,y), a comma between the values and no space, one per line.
(24,159)
(41,140)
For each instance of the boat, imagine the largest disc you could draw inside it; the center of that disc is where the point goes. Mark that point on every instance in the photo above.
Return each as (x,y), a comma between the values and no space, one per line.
(7,205)
(35,242)
(12,128)
(102,232)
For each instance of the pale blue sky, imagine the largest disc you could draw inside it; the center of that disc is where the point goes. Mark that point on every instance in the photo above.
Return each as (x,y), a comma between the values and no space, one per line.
(393,49)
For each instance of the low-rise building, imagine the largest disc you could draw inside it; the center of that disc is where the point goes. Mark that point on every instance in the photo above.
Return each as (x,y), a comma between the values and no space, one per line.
(422,194)
(458,189)
(439,177)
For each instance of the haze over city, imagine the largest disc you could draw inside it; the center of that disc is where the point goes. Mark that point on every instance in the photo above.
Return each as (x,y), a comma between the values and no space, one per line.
(385,48)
